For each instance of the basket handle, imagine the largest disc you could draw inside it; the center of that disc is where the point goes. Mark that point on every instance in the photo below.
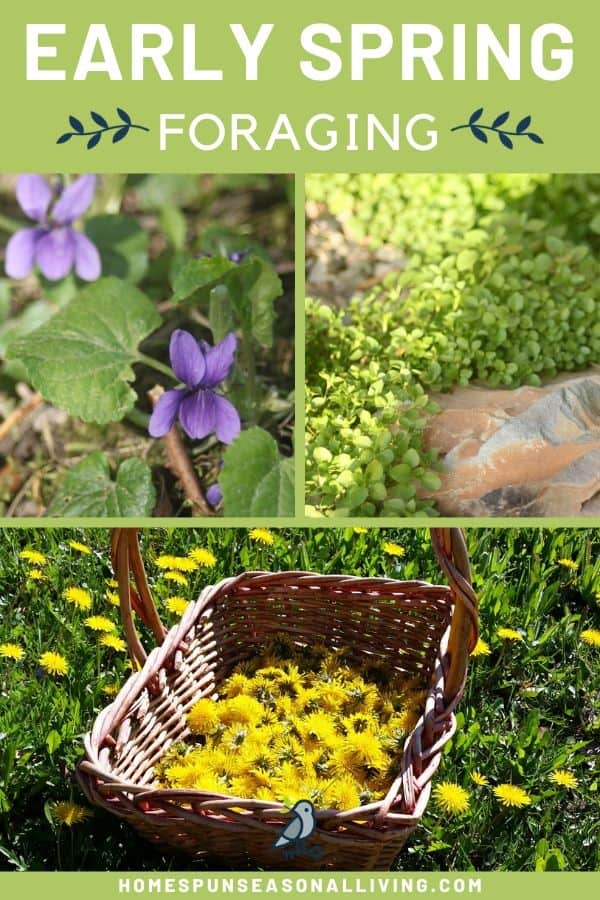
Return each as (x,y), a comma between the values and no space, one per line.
(451,551)
(127,560)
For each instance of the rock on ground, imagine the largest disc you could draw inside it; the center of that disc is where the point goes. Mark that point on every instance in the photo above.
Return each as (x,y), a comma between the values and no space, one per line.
(524,452)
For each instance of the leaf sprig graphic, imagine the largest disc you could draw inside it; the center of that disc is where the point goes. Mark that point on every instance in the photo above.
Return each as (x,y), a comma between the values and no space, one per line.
(504,134)
(121,129)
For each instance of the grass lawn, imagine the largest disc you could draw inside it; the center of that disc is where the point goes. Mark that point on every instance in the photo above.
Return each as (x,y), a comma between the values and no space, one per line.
(531,706)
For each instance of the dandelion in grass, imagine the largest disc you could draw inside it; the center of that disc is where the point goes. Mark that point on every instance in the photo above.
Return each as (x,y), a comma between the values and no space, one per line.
(451,797)
(179,563)
(99,623)
(479,779)
(203,557)
(509,634)
(80,548)
(591,636)
(568,564)
(69,814)
(36,575)
(33,556)
(564,778)
(113,642)
(11,651)
(54,663)
(481,648)
(512,795)
(110,690)
(393,549)
(112,583)
(79,597)
(177,605)
(358,529)
(177,577)
(113,598)
(262,536)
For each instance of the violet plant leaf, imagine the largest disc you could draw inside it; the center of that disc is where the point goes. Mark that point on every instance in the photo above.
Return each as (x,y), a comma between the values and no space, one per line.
(81,359)
(255,479)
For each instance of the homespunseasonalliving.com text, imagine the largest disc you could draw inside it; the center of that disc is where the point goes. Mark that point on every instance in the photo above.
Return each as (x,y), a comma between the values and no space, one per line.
(299,885)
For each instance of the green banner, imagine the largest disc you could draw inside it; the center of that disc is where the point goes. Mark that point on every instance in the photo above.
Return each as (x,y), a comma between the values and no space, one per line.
(491,885)
(278,87)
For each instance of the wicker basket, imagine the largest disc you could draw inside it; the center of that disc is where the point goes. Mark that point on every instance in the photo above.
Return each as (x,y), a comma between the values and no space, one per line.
(414,627)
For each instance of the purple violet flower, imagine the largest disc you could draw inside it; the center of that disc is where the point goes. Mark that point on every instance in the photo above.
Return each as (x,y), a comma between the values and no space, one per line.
(214,494)
(200,410)
(53,245)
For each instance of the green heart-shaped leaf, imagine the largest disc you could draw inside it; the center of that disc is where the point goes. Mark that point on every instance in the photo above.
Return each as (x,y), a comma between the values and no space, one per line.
(89,490)
(81,359)
(255,479)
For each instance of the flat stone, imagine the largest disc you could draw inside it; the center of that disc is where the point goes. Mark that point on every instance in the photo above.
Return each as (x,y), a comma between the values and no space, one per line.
(524,452)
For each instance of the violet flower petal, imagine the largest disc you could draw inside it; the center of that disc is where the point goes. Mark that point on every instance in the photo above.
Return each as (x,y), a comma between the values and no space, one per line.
(74,200)
(187,359)
(87,258)
(197,414)
(214,494)
(55,253)
(219,360)
(227,422)
(165,412)
(20,252)
(34,195)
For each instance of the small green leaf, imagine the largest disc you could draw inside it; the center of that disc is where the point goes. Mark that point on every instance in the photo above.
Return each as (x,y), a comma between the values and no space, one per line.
(466,259)
(172,222)
(123,246)
(195,274)
(53,741)
(88,489)
(81,359)
(221,314)
(256,480)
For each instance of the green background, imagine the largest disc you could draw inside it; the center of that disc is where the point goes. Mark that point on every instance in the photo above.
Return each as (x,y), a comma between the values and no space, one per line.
(37,112)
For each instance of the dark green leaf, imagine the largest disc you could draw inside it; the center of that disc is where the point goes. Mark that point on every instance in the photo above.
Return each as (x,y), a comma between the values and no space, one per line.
(195,274)
(89,490)
(255,479)
(221,314)
(81,359)
(123,245)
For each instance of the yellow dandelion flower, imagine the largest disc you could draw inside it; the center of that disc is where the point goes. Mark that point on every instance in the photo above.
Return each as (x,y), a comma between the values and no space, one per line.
(479,779)
(481,648)
(113,642)
(79,597)
(177,577)
(343,793)
(99,623)
(591,636)
(451,797)
(36,575)
(112,583)
(33,556)
(509,634)
(315,729)
(177,605)
(364,750)
(358,529)
(512,795)
(70,814)
(113,598)
(54,663)
(179,563)
(11,651)
(236,684)
(241,710)
(393,549)
(203,717)
(111,690)
(564,778)
(81,548)
(262,536)
(203,557)
(568,564)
